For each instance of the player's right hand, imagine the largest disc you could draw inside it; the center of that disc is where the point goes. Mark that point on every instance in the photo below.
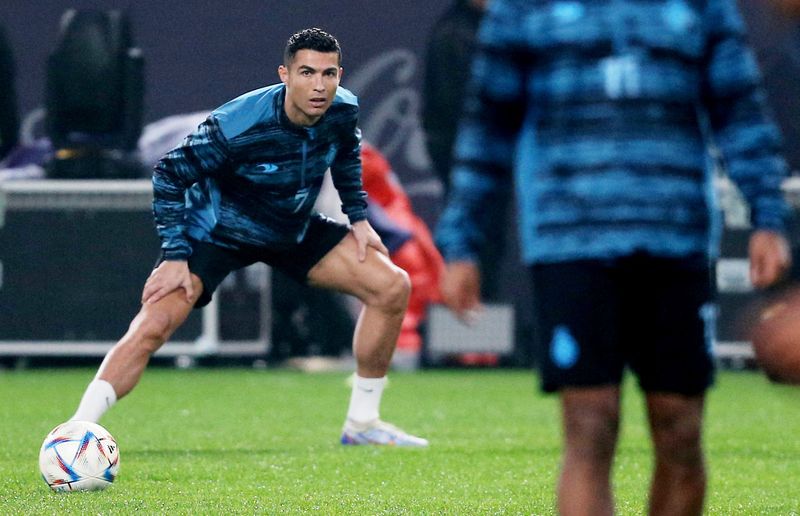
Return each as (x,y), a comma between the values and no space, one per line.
(168,277)
(365,237)
(461,289)
(770,258)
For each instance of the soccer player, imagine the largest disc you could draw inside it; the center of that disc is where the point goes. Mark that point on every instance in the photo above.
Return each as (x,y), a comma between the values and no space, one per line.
(604,112)
(240,190)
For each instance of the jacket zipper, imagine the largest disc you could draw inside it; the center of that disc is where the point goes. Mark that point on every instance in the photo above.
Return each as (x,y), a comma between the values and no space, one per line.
(303,166)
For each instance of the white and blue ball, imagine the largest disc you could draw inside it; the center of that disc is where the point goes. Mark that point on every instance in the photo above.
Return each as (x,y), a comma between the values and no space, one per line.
(79,456)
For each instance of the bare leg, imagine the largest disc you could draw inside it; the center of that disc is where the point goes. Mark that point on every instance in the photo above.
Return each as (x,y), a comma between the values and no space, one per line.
(384,289)
(153,325)
(591,422)
(679,480)
(374,340)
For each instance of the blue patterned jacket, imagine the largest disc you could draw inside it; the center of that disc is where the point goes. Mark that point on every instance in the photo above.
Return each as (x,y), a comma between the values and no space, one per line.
(247,175)
(605,110)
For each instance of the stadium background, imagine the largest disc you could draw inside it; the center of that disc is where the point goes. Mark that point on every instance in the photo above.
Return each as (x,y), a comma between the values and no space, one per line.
(239,441)
(199,54)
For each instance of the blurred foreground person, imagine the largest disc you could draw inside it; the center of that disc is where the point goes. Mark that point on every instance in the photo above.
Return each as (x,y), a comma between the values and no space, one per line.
(604,112)
(240,190)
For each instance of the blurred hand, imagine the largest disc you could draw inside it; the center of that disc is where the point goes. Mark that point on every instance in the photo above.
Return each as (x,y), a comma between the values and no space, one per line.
(366,236)
(461,289)
(769,258)
(167,277)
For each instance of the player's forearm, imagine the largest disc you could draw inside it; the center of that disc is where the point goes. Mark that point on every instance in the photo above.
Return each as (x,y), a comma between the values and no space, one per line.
(748,138)
(354,205)
(174,244)
(751,147)
(347,181)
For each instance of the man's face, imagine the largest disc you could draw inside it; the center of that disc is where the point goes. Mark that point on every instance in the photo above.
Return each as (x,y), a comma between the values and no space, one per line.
(311,80)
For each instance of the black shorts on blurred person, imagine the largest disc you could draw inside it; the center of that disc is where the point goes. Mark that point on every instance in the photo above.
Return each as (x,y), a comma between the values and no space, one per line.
(649,314)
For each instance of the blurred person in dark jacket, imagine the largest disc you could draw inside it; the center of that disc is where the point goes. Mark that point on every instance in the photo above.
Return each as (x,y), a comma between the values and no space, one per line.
(774,30)
(450,49)
(601,114)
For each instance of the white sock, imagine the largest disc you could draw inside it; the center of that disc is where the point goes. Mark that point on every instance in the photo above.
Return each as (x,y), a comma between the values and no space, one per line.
(98,398)
(366,399)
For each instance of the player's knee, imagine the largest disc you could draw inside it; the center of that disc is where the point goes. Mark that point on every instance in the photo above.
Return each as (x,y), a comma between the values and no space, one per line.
(678,442)
(153,329)
(394,291)
(592,434)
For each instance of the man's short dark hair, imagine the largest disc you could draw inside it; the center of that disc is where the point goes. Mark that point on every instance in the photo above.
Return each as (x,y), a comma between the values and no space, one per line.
(311,39)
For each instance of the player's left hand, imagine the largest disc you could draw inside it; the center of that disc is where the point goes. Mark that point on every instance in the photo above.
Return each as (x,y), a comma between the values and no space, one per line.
(367,237)
(769,257)
(461,289)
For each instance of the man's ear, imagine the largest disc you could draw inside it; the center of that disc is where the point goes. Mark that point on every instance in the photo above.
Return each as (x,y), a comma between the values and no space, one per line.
(283,73)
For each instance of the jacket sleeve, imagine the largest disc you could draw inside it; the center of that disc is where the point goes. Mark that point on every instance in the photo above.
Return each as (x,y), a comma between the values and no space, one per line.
(202,154)
(346,174)
(488,132)
(748,139)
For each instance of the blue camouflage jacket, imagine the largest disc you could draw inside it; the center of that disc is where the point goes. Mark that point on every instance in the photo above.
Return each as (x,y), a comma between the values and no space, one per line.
(604,110)
(248,175)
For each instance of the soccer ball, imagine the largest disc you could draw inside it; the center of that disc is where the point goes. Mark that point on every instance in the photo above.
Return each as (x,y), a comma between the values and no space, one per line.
(79,456)
(776,337)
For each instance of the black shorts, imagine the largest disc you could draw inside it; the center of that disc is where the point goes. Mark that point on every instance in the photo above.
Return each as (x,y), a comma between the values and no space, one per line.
(652,315)
(212,263)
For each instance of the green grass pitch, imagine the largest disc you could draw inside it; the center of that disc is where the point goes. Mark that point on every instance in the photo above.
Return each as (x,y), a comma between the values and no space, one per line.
(233,441)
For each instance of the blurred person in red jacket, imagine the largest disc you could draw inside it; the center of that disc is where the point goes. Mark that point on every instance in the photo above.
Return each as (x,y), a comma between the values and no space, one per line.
(418,256)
